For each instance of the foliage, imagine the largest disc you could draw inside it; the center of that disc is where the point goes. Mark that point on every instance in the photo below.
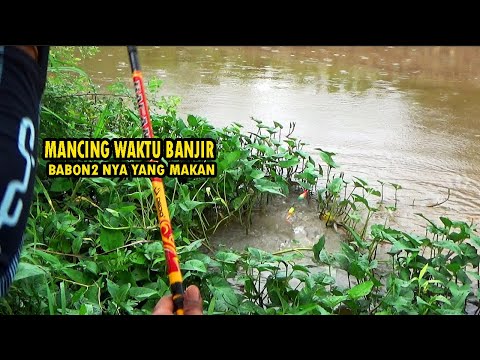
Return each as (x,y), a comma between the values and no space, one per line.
(92,244)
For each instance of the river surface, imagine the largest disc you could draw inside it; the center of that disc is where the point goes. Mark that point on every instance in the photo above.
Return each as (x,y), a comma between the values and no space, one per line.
(407,115)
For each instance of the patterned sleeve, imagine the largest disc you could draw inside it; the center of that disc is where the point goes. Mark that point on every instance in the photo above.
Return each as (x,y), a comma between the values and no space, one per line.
(22,81)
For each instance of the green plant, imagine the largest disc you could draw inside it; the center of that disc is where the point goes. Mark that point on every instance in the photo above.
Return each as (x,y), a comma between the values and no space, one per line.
(92,245)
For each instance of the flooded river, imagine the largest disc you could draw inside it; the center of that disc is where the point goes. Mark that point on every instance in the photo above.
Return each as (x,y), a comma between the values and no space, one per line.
(407,115)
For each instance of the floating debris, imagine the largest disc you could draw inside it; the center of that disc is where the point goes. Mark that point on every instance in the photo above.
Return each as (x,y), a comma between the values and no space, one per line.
(290,213)
(303,195)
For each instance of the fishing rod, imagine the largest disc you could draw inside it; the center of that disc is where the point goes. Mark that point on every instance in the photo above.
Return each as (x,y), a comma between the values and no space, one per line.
(173,266)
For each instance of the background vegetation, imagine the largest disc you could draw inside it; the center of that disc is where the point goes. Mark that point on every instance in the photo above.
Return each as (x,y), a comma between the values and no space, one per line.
(92,245)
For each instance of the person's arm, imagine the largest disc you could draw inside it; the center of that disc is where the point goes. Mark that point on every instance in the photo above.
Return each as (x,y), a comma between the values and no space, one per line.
(23,72)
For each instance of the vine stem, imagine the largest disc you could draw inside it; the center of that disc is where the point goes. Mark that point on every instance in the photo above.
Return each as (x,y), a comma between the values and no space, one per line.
(292,250)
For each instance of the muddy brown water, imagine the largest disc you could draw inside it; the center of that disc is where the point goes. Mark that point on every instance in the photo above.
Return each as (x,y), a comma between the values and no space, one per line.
(407,115)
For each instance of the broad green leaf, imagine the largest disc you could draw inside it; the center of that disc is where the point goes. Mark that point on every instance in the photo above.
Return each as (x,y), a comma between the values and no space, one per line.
(61,185)
(318,247)
(301,268)
(361,244)
(113,212)
(194,265)
(127,209)
(103,181)
(256,174)
(474,275)
(49,258)
(225,297)
(26,270)
(189,205)
(327,158)
(142,293)
(360,290)
(76,276)
(258,254)
(446,221)
(459,295)
(264,185)
(211,306)
(77,244)
(374,192)
(325,257)
(91,266)
(302,154)
(475,239)
(361,199)
(360,182)
(229,160)
(111,239)
(137,258)
(118,293)
(440,298)
(86,309)
(436,274)
(289,163)
(448,245)
(335,186)
(333,300)
(323,279)
(422,272)
(396,186)
(227,257)
(277,125)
